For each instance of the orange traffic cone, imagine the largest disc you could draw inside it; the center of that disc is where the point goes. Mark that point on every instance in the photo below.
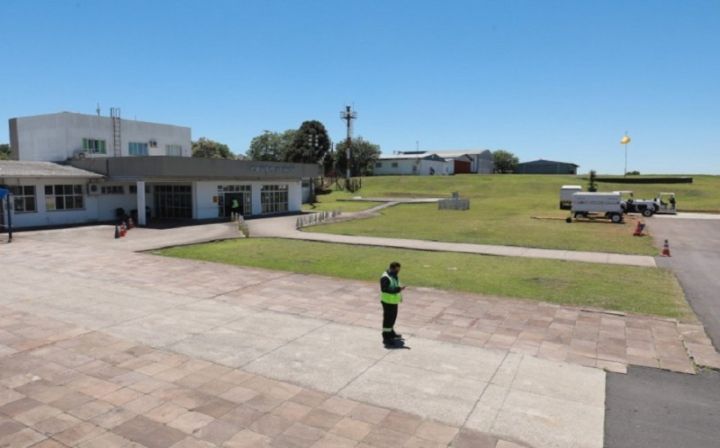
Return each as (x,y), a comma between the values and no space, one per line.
(639,229)
(666,249)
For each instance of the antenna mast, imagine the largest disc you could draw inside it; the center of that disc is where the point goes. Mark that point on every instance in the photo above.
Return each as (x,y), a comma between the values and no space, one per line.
(348,115)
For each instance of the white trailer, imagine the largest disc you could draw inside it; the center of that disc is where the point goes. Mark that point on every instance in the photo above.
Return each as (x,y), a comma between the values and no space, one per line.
(596,205)
(566,194)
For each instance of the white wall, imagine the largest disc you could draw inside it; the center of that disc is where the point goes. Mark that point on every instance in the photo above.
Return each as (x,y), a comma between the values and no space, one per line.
(206,208)
(57,137)
(107,203)
(43,217)
(413,167)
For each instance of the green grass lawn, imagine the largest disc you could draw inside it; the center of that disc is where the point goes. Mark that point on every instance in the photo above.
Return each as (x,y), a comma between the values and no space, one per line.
(502,211)
(612,287)
(330,202)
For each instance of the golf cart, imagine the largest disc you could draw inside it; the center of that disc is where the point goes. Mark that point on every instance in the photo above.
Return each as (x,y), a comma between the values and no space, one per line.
(665,203)
(646,207)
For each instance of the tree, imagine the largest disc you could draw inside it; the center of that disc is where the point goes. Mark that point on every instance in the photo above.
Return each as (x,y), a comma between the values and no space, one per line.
(363,155)
(505,161)
(4,151)
(310,143)
(211,149)
(271,146)
(592,185)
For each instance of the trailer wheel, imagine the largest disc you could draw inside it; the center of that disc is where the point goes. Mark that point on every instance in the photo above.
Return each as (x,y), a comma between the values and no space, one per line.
(616,218)
(648,212)
(568,219)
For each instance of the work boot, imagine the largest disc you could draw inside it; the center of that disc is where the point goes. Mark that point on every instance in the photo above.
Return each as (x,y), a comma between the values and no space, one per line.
(387,337)
(395,335)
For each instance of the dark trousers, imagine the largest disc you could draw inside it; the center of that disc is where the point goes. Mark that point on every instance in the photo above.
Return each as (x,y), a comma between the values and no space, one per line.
(390,312)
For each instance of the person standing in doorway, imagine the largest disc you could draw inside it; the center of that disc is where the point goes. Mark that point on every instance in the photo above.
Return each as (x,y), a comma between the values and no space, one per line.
(235,209)
(390,297)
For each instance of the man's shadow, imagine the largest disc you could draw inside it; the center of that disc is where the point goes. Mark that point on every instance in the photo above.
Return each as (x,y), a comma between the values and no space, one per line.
(397,344)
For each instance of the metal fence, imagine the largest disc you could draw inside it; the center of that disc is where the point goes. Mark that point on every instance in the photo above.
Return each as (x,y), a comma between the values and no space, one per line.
(454,204)
(315,218)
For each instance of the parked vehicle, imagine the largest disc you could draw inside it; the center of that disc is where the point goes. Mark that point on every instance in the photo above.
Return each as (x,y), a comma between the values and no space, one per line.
(566,193)
(664,203)
(597,205)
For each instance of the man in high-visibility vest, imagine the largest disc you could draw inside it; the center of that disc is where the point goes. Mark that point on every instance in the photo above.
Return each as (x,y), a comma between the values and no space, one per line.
(235,209)
(390,297)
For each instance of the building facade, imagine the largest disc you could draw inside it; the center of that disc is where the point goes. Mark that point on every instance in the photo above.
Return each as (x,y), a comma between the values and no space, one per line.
(541,166)
(413,165)
(481,161)
(78,187)
(66,135)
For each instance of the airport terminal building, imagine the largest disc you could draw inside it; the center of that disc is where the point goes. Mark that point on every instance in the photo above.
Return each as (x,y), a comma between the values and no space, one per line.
(72,169)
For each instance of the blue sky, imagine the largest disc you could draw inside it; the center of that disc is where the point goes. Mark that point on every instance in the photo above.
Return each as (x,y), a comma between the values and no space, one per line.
(546,79)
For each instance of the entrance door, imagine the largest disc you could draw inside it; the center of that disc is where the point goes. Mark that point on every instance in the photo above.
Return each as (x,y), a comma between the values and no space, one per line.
(173,201)
(229,198)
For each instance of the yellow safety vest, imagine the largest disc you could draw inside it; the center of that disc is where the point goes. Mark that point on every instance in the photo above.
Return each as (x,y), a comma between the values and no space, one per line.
(386,297)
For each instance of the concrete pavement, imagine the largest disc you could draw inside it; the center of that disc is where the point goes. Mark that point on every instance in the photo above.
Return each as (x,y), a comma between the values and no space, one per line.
(284,227)
(214,314)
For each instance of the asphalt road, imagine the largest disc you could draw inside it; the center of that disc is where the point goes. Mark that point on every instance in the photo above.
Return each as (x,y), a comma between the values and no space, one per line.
(695,249)
(658,409)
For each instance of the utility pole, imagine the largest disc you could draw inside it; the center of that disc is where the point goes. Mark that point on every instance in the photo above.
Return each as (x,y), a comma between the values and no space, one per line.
(625,141)
(348,115)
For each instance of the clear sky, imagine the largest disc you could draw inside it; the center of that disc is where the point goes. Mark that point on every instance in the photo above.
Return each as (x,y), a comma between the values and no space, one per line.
(559,80)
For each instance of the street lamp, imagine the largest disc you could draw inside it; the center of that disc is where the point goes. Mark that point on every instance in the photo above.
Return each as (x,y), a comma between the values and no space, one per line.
(625,141)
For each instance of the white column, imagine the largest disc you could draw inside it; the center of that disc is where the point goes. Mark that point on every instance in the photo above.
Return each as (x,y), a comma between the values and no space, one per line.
(141,202)
(256,198)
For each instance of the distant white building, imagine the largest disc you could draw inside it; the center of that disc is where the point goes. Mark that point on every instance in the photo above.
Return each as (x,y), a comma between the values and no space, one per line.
(413,164)
(480,161)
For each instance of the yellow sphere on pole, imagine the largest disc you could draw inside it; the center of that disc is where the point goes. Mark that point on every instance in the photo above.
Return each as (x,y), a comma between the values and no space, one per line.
(625,140)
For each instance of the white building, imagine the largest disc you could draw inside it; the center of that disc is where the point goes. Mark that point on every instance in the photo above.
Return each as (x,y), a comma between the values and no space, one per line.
(66,135)
(481,160)
(413,164)
(59,179)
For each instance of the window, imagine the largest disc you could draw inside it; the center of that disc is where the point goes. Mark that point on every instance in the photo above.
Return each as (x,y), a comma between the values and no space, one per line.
(112,189)
(378,165)
(94,146)
(23,198)
(137,149)
(133,189)
(173,201)
(394,164)
(64,197)
(173,150)
(274,198)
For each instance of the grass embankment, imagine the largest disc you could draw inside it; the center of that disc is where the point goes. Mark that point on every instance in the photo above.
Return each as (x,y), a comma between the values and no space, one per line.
(502,211)
(612,287)
(330,202)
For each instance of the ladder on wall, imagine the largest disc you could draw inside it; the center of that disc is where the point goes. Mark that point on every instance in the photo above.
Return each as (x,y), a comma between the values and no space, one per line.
(117,142)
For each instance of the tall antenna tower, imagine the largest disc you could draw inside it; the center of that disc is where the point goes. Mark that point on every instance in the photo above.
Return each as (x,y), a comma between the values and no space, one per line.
(348,115)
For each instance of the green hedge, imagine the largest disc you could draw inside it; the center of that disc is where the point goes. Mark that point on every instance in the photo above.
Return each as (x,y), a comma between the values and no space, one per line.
(645,180)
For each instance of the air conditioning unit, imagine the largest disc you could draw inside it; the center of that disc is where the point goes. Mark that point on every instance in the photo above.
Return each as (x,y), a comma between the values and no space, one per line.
(93,189)
(80,154)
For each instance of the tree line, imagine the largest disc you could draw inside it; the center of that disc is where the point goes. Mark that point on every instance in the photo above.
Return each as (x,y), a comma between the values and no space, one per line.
(309,143)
